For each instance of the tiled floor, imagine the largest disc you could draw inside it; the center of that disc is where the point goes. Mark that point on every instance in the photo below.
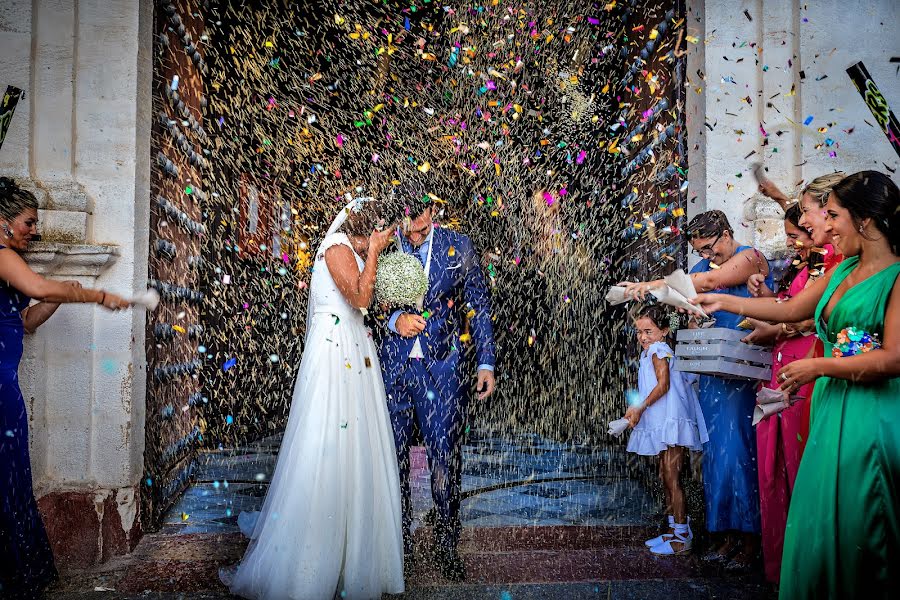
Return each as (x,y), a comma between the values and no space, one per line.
(522,481)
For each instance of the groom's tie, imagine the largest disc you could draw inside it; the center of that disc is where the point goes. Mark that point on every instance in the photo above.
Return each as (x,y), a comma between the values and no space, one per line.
(421,252)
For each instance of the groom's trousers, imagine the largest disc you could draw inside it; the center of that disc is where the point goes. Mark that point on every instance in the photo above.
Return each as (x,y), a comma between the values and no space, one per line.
(414,399)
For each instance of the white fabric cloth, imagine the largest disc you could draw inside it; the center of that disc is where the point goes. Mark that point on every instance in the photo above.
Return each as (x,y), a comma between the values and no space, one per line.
(673,420)
(330,525)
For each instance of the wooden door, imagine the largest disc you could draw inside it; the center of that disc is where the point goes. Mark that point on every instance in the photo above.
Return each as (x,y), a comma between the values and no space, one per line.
(174,393)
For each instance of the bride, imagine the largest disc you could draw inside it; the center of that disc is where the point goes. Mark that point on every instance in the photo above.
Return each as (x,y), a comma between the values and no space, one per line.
(330,524)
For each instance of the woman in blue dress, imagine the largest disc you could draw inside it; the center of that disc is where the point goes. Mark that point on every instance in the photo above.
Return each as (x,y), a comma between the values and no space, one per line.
(730,481)
(26,561)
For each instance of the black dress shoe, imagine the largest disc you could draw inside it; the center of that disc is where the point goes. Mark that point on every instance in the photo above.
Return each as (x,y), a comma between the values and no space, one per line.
(452,566)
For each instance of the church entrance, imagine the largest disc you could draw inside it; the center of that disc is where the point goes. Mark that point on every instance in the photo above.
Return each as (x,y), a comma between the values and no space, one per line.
(551,135)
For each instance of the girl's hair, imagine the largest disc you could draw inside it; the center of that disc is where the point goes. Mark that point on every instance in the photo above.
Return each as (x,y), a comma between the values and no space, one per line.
(816,260)
(872,195)
(14,200)
(656,313)
(708,224)
(793,214)
(820,187)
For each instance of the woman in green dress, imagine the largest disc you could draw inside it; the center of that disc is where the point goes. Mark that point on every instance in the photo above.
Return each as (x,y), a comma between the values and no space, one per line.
(843,529)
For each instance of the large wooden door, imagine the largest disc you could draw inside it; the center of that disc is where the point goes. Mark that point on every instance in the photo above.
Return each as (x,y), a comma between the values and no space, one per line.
(178,188)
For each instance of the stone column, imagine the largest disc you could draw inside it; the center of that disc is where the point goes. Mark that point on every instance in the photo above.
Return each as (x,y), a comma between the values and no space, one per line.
(81,141)
(744,112)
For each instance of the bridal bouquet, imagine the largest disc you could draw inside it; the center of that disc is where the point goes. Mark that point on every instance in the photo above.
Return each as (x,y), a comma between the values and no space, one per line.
(400,280)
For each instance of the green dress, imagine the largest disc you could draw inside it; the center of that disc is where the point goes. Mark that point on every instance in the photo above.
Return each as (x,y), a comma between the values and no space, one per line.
(843,528)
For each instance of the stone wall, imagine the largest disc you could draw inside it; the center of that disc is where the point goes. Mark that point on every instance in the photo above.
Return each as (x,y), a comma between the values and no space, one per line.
(760,79)
(80,140)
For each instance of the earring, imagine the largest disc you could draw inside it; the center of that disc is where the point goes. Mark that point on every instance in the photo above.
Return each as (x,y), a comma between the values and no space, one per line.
(7,231)
(860,229)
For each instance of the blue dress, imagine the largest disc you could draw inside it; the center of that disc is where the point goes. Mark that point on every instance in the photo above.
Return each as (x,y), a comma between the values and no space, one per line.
(730,480)
(26,560)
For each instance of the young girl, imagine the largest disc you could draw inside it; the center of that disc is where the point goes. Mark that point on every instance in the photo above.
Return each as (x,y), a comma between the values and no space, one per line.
(665,423)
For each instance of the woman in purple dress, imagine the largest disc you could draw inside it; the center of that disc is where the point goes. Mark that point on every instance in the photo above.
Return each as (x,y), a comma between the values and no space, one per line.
(26,561)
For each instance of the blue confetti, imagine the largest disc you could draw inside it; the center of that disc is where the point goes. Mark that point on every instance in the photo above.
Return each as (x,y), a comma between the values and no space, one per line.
(808,120)
(229,363)
(10,433)
(229,420)
(407,24)
(633,397)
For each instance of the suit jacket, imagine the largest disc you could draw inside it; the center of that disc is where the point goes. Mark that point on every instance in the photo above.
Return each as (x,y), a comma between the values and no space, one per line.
(456,277)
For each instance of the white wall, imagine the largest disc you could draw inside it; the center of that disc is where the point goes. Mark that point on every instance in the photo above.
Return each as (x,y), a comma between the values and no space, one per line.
(821,39)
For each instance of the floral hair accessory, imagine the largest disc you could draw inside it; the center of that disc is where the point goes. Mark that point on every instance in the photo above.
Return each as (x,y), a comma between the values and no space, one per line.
(852,341)
(359,202)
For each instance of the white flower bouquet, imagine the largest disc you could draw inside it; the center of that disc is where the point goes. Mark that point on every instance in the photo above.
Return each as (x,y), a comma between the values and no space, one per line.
(400,280)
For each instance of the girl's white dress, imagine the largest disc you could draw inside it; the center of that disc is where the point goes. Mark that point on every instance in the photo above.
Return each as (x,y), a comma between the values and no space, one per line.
(673,420)
(330,526)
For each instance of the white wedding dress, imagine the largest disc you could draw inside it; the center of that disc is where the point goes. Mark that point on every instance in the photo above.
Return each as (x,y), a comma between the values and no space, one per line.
(330,526)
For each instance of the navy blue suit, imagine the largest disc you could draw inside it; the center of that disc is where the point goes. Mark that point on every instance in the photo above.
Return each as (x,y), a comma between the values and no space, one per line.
(431,392)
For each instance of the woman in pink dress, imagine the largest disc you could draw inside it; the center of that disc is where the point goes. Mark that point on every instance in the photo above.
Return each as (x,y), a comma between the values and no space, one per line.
(780,439)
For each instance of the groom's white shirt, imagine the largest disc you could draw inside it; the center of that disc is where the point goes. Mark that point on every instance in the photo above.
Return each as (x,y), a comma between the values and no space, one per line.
(423,254)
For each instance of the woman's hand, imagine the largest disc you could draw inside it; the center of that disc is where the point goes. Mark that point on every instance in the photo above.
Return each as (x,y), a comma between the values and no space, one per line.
(379,240)
(638,291)
(633,414)
(763,334)
(800,372)
(757,287)
(768,189)
(710,303)
(114,301)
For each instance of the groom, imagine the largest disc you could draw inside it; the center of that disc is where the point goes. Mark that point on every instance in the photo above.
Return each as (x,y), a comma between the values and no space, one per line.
(421,356)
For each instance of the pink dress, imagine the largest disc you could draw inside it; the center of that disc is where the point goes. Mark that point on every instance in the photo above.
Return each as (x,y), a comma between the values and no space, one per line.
(779,442)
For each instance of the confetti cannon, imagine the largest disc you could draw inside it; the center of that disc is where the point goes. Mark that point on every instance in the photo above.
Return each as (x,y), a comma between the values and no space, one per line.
(874,99)
(7,108)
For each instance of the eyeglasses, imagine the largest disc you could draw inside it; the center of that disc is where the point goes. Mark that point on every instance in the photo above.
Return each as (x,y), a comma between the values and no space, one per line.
(707,249)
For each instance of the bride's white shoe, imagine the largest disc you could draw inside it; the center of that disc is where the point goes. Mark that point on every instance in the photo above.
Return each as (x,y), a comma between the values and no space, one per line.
(660,538)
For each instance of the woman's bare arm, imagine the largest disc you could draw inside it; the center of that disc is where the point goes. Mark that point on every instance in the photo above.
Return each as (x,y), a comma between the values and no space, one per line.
(36,315)
(19,275)
(796,309)
(735,271)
